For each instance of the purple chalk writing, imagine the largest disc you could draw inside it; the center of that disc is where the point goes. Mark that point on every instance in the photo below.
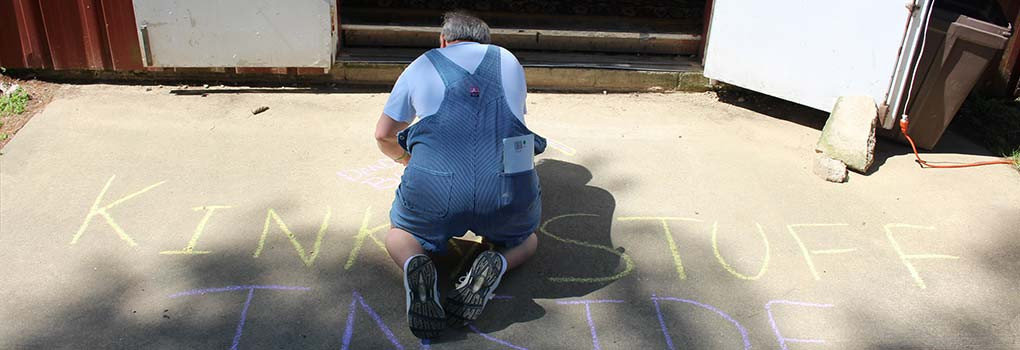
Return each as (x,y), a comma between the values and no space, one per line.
(247,302)
(772,320)
(587,313)
(244,316)
(494,339)
(665,331)
(382,175)
(356,300)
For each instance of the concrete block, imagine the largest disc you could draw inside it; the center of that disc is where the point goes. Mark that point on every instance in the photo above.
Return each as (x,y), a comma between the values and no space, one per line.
(829,169)
(694,82)
(563,79)
(371,72)
(621,80)
(849,133)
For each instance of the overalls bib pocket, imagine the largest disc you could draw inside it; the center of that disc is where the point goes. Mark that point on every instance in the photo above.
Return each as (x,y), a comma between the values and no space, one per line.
(425,191)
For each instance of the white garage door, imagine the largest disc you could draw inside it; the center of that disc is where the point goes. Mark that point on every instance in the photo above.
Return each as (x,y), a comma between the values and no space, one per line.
(812,51)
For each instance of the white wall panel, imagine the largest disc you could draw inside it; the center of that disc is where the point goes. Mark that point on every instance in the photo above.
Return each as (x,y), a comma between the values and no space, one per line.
(807,51)
(237,33)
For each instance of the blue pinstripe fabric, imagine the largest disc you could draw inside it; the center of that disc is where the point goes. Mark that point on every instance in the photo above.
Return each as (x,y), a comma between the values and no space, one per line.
(454,181)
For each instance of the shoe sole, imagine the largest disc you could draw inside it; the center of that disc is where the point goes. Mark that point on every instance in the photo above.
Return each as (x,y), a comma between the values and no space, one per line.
(425,315)
(465,304)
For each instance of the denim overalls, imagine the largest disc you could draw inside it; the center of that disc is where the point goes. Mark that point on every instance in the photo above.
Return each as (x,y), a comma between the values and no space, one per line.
(454,181)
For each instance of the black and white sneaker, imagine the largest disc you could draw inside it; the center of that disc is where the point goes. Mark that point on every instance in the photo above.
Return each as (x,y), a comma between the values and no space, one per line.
(425,315)
(474,289)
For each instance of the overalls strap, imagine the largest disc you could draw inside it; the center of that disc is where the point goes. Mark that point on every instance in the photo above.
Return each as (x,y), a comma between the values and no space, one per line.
(488,69)
(450,72)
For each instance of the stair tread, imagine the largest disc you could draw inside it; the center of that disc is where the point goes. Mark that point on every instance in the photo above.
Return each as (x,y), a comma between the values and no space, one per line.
(666,63)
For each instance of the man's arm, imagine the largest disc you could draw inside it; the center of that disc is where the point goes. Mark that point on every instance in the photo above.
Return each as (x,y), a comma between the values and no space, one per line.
(386,138)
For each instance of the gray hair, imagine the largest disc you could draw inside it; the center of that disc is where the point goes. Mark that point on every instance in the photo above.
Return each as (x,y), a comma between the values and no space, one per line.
(459,25)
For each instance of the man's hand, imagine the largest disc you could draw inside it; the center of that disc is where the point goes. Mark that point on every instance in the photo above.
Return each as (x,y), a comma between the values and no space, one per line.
(386,138)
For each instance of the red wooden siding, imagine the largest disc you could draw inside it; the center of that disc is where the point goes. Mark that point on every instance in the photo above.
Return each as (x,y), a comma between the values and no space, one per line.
(118,17)
(24,47)
(69,34)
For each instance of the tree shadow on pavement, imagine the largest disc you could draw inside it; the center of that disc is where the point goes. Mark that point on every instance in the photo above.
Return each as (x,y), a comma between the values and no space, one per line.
(890,142)
(946,152)
(774,107)
(576,217)
(276,301)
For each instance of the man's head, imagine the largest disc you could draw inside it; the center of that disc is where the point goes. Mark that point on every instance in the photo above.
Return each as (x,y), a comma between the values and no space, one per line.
(461,26)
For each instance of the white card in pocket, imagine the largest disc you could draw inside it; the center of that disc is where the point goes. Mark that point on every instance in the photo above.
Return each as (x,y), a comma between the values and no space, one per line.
(518,153)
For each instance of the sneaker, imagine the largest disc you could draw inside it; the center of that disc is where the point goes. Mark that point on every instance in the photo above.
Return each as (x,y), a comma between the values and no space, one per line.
(425,315)
(474,289)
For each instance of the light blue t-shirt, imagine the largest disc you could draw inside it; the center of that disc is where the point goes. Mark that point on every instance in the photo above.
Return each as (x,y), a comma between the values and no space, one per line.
(419,91)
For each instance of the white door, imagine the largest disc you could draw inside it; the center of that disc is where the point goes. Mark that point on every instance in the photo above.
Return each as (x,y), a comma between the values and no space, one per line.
(813,51)
(237,33)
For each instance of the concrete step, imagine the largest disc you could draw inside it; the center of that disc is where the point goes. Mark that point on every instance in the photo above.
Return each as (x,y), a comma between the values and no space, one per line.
(547,71)
(378,35)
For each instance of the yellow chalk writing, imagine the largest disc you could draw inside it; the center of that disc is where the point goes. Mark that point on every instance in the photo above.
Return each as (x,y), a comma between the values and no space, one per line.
(628,263)
(718,256)
(570,151)
(308,258)
(365,232)
(190,249)
(905,258)
(807,253)
(669,238)
(104,212)
(832,251)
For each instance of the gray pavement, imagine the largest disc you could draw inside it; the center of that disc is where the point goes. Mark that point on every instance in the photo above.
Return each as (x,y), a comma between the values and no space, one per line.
(144,220)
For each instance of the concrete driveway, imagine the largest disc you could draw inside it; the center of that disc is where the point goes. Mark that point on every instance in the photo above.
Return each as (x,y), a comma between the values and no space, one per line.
(142,219)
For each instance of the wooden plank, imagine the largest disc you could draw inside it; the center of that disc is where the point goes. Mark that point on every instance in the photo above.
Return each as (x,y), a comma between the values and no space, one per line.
(704,29)
(123,47)
(339,26)
(1010,8)
(11,54)
(1009,64)
(1002,75)
(32,36)
(62,22)
(91,37)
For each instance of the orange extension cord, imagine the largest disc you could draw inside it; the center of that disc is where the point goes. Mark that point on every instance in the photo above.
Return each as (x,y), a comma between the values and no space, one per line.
(903,128)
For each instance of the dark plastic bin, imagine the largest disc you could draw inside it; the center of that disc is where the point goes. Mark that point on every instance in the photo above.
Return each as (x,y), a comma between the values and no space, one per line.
(957,51)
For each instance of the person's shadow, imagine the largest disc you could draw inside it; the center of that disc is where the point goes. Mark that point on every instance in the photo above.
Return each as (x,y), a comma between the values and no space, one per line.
(575,255)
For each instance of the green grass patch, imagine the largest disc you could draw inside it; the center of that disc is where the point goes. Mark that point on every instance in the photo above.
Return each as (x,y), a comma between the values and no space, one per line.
(1016,159)
(14,103)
